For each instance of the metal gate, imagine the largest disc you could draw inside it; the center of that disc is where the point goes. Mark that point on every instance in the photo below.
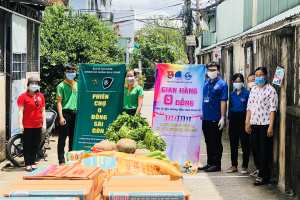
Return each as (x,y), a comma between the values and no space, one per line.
(150,74)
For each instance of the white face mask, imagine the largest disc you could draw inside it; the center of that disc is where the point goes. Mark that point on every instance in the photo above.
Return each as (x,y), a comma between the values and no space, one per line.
(212,75)
(252,84)
(129,80)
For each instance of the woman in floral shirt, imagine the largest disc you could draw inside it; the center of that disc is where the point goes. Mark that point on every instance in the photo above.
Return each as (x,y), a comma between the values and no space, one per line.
(262,105)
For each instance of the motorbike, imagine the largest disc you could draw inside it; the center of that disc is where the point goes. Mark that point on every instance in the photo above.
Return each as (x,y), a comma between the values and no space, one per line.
(14,147)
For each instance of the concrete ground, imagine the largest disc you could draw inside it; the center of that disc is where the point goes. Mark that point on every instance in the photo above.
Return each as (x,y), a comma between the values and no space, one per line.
(220,185)
(206,186)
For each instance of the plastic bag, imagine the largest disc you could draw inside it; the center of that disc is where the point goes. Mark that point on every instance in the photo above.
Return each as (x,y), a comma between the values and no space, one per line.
(123,167)
(71,162)
(74,155)
(165,168)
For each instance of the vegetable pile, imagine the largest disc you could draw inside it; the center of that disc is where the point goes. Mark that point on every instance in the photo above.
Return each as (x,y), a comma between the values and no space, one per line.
(158,155)
(137,129)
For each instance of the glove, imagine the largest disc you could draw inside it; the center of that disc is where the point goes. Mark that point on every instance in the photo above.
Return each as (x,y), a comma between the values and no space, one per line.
(221,123)
(44,128)
(21,128)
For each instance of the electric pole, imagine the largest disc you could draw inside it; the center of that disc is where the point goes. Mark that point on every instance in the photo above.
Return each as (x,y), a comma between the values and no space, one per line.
(189,29)
(198,32)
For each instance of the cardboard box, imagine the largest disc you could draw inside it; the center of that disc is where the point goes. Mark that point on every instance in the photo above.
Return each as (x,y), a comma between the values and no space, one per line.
(52,188)
(37,198)
(139,183)
(159,192)
(99,197)
(68,173)
(151,177)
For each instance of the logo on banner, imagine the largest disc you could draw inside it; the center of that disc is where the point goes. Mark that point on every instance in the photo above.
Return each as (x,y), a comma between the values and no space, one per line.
(170,74)
(168,99)
(107,82)
(179,75)
(188,76)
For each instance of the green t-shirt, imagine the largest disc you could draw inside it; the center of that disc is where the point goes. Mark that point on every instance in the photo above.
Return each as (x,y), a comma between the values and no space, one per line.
(69,95)
(131,96)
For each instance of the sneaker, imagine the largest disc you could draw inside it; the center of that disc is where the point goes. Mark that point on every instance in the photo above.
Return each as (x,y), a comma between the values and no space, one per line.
(28,168)
(232,169)
(244,171)
(33,167)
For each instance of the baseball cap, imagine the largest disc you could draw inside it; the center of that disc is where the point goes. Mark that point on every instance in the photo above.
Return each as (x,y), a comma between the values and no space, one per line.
(137,70)
(33,79)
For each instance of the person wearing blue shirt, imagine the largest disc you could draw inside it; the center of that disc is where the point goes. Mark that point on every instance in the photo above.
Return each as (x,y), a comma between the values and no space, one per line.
(236,124)
(215,96)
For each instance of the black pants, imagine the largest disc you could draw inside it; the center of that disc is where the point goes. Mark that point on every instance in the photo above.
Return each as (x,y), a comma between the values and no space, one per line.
(237,132)
(263,148)
(131,112)
(63,131)
(213,140)
(255,159)
(31,143)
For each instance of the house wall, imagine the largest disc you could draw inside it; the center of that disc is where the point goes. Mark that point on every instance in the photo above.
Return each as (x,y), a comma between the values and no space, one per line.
(267,9)
(2,88)
(2,119)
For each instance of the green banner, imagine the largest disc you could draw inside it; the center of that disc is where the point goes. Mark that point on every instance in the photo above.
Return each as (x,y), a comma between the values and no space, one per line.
(100,99)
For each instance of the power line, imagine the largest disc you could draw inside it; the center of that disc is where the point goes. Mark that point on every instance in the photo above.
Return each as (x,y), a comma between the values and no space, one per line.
(149,11)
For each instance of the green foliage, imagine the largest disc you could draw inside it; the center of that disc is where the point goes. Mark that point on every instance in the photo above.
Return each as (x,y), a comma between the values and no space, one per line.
(137,129)
(154,49)
(73,38)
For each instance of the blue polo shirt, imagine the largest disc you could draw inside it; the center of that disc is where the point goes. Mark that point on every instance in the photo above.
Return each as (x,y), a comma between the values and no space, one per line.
(238,103)
(216,91)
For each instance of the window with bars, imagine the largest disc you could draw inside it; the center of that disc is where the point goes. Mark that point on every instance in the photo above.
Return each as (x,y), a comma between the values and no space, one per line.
(19,66)
(32,47)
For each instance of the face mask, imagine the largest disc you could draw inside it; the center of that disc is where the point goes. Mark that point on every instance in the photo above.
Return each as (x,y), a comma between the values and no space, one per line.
(71,76)
(252,85)
(212,75)
(260,80)
(129,80)
(238,85)
(33,87)
(138,76)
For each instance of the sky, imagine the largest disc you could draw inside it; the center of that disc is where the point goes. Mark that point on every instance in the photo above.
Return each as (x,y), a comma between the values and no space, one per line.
(143,9)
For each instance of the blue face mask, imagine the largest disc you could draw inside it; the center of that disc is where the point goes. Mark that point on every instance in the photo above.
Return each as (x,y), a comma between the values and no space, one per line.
(260,80)
(238,85)
(71,76)
(33,87)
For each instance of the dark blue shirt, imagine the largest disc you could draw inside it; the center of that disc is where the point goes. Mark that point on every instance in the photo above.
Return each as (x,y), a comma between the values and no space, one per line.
(238,103)
(216,91)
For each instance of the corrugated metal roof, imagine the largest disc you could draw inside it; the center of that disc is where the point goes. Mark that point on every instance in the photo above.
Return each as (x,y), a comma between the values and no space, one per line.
(289,13)
(230,17)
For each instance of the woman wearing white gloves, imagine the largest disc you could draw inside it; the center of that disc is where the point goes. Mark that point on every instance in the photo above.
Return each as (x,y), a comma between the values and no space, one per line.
(32,121)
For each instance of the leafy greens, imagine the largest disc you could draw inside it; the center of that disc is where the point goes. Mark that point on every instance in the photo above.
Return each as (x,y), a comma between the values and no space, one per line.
(137,129)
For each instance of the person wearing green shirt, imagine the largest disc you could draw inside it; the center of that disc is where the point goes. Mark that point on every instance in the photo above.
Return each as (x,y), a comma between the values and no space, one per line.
(133,95)
(67,95)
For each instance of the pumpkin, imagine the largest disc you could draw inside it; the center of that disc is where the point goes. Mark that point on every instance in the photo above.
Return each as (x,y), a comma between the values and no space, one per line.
(126,145)
(105,145)
(141,152)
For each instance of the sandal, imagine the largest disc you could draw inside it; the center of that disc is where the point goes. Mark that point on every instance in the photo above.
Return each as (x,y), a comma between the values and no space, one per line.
(254,174)
(258,181)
